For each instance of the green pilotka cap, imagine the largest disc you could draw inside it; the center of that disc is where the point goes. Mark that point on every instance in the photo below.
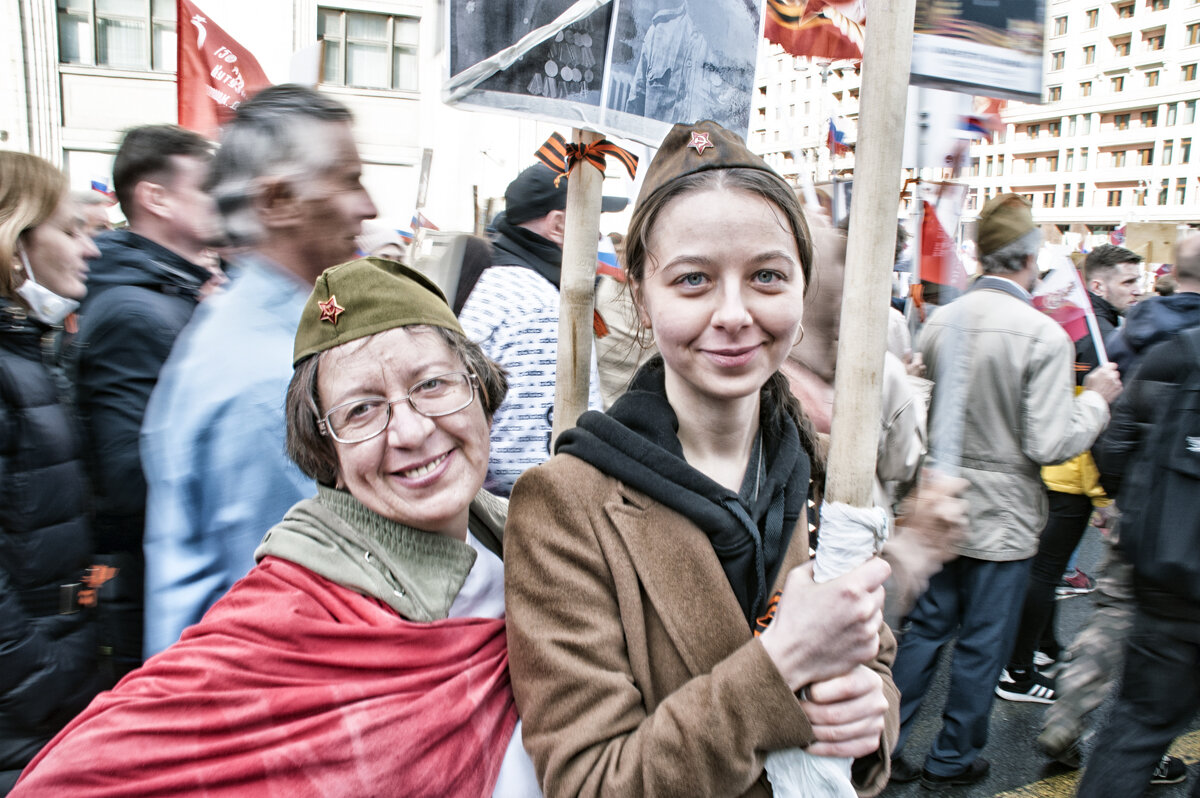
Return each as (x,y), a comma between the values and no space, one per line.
(698,147)
(365,296)
(1002,221)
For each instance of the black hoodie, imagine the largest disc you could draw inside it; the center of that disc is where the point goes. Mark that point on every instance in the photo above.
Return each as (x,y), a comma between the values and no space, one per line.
(637,442)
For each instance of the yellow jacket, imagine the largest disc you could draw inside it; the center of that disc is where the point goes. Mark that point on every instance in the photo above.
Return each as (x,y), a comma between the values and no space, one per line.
(1078,475)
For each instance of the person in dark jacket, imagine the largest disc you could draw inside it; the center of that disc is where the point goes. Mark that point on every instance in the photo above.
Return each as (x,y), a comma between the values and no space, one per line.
(1160,691)
(141,293)
(47,636)
(1159,318)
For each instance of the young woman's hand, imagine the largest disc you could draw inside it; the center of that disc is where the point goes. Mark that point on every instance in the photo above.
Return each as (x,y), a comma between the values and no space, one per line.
(846,713)
(822,631)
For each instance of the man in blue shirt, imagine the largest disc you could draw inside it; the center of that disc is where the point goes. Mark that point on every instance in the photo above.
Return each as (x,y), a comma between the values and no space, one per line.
(286,181)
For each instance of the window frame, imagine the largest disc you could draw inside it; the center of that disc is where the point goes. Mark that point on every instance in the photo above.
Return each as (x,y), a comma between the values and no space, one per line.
(345,42)
(161,60)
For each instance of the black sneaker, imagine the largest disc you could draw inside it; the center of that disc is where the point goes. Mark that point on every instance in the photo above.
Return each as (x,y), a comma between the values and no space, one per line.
(1034,688)
(974,773)
(1170,770)
(903,771)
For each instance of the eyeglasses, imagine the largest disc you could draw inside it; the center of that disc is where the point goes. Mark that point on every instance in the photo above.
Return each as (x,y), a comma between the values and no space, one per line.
(362,419)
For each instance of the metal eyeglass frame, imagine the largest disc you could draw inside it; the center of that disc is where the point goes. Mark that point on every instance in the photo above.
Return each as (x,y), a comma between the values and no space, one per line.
(326,428)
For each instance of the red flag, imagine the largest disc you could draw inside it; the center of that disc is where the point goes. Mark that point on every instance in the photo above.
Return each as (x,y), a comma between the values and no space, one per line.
(817,28)
(939,260)
(1061,296)
(216,74)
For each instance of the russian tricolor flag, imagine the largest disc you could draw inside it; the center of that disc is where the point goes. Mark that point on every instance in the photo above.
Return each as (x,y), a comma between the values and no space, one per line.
(102,187)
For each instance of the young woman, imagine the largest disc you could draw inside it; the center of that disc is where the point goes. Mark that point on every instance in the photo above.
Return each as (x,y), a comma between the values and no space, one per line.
(642,557)
(48,669)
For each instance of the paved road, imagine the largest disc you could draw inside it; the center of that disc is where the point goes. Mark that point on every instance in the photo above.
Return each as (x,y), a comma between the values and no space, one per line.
(1018,768)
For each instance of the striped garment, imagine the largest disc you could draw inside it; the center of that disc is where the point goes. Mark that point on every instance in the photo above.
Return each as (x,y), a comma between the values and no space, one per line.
(513,314)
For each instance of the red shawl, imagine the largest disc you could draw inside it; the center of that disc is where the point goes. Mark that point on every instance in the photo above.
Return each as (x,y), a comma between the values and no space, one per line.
(294,686)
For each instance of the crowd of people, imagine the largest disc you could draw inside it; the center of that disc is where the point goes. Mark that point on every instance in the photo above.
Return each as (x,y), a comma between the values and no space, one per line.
(283,517)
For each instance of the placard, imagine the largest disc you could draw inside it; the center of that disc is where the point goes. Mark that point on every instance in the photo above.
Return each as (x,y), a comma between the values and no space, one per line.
(629,68)
(990,47)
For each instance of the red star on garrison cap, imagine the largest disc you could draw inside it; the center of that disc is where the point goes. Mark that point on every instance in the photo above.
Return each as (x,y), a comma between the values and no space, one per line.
(700,142)
(330,310)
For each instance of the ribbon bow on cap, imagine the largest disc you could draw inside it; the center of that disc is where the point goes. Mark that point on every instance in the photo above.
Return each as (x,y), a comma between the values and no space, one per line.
(562,155)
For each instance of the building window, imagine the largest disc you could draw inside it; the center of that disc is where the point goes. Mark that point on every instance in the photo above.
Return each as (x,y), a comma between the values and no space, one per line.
(1125,11)
(1153,40)
(1180,190)
(1089,54)
(1079,195)
(1070,162)
(1139,196)
(1121,46)
(1085,89)
(1083,159)
(1057,59)
(1033,131)
(1000,164)
(1120,121)
(1193,33)
(1146,156)
(1048,199)
(1189,112)
(1188,71)
(1066,198)
(1071,127)
(1054,94)
(1118,83)
(126,34)
(1060,26)
(1150,118)
(988,167)
(1118,158)
(1114,198)
(1158,5)
(1093,17)
(974,167)
(1171,109)
(369,51)
(1052,163)
(1185,150)
(1163,191)
(1055,128)
(1168,151)
(1152,78)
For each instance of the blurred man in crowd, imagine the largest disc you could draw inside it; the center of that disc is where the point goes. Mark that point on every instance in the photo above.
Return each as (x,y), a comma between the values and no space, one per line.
(141,292)
(1018,412)
(286,182)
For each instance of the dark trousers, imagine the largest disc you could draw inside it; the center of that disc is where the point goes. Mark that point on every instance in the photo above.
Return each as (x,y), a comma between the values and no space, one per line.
(1065,525)
(978,600)
(1160,694)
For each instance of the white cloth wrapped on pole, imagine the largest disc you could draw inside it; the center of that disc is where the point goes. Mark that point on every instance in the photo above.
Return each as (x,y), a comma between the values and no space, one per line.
(849,537)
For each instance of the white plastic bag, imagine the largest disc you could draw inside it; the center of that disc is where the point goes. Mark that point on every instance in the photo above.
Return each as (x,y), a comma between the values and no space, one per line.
(849,537)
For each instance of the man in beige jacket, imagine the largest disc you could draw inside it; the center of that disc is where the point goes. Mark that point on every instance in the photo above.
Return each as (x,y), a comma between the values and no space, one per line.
(1018,412)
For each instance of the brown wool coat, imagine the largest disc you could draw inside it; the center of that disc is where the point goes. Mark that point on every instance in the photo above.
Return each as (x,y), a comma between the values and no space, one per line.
(633,668)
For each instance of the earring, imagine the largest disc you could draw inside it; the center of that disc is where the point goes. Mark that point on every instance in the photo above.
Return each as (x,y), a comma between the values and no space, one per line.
(799,337)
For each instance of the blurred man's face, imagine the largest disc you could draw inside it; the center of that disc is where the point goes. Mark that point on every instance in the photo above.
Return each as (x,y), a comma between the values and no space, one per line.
(1122,287)
(334,203)
(193,213)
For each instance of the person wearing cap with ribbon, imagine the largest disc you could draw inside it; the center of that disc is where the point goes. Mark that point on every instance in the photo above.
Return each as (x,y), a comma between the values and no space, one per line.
(1019,412)
(642,558)
(365,654)
(512,311)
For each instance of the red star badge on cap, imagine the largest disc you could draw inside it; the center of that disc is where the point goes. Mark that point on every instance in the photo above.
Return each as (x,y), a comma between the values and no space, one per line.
(700,141)
(330,310)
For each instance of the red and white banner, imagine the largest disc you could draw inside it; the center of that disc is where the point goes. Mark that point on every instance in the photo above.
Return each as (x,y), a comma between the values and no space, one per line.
(1061,296)
(216,74)
(939,254)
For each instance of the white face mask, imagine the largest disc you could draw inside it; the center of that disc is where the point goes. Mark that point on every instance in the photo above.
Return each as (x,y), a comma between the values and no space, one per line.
(45,305)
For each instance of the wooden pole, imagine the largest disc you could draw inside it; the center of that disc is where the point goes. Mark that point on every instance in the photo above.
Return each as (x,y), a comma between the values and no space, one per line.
(854,436)
(577,289)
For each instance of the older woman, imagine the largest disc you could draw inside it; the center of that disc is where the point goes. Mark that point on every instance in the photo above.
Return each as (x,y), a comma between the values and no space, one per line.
(48,668)
(644,555)
(365,654)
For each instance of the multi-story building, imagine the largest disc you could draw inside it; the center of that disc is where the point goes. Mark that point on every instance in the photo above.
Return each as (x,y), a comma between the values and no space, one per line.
(79,72)
(1112,141)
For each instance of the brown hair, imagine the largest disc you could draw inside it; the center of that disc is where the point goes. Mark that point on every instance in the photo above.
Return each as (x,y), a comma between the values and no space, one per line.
(770,188)
(315,454)
(30,191)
